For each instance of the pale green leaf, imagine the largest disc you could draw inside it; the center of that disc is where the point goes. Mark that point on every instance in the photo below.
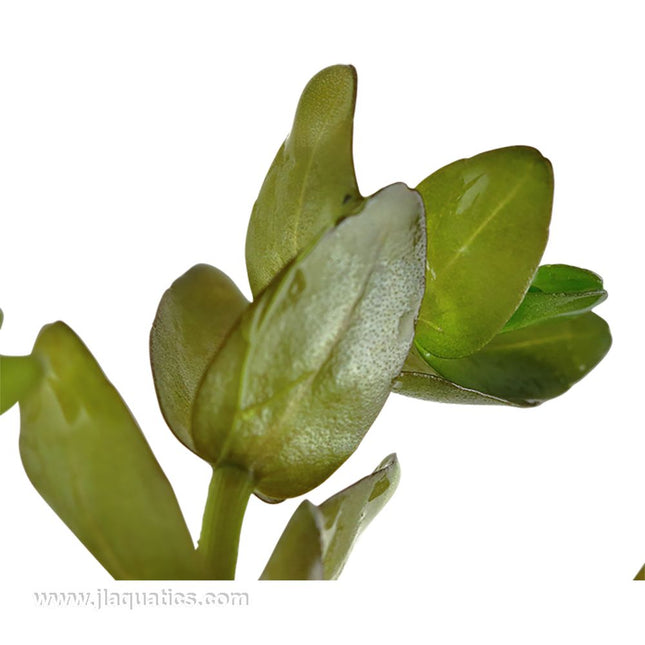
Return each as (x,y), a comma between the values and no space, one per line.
(298,555)
(311,183)
(309,365)
(192,320)
(18,376)
(86,456)
(318,539)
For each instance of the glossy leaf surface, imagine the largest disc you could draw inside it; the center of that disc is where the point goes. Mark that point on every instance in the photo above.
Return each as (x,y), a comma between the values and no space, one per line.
(417,379)
(192,320)
(309,365)
(318,539)
(533,364)
(311,183)
(86,456)
(558,290)
(487,223)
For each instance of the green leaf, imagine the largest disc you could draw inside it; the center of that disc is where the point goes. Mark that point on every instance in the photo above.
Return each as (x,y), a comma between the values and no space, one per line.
(417,379)
(641,574)
(308,366)
(18,376)
(317,541)
(487,223)
(86,456)
(311,183)
(192,320)
(531,365)
(298,554)
(558,290)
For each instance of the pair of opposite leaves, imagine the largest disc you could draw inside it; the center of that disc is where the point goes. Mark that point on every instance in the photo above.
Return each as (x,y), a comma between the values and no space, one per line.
(288,416)
(492,326)
(306,367)
(85,454)
(299,375)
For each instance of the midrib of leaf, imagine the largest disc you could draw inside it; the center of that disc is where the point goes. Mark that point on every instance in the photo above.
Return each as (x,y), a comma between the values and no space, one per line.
(276,395)
(537,342)
(572,295)
(429,323)
(468,243)
(440,216)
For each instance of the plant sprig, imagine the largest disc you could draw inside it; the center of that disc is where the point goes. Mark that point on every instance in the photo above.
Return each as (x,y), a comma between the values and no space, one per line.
(435,293)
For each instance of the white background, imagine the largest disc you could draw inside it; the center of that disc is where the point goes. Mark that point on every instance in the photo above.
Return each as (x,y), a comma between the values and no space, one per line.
(134,137)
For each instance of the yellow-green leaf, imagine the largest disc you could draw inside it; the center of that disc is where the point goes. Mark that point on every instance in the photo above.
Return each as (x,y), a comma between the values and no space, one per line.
(85,454)
(18,375)
(317,541)
(192,320)
(307,368)
(487,223)
(299,553)
(311,183)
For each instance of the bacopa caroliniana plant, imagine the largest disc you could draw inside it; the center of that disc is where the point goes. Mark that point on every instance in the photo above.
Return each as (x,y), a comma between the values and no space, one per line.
(435,293)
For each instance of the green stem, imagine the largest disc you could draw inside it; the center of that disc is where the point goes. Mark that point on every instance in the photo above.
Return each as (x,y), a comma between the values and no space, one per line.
(228,494)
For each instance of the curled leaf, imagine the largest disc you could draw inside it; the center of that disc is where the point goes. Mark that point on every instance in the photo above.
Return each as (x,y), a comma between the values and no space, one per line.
(192,320)
(85,454)
(307,368)
(311,183)
(487,225)
(558,290)
(317,541)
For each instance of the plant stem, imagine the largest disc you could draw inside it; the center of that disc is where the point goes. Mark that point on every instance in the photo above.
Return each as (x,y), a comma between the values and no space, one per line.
(228,496)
